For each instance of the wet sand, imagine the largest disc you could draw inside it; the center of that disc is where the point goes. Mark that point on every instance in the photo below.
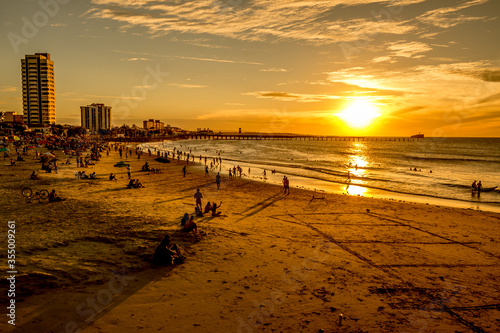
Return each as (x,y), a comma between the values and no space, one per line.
(270,263)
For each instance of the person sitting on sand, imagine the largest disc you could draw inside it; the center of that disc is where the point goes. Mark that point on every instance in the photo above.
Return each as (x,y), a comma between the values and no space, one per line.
(167,253)
(112,177)
(191,225)
(83,175)
(53,197)
(12,162)
(208,207)
(137,184)
(131,183)
(214,209)
(68,161)
(145,167)
(19,158)
(184,219)
(93,175)
(34,176)
(198,212)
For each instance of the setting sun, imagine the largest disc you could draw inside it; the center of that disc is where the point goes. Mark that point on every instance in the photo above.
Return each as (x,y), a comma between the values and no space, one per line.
(359,113)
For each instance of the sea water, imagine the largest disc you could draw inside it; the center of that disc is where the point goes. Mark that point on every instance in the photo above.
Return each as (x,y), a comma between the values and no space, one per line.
(429,170)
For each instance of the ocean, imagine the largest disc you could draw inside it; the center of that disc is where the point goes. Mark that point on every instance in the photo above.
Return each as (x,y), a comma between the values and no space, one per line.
(430,170)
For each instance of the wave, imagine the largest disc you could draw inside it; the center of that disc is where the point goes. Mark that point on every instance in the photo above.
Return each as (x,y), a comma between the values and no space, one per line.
(450,159)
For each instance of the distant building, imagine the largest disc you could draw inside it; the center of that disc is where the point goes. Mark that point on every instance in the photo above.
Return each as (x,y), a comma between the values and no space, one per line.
(39,101)
(153,125)
(12,117)
(96,116)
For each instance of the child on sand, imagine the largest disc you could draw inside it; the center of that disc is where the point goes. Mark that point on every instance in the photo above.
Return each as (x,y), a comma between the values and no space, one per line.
(53,197)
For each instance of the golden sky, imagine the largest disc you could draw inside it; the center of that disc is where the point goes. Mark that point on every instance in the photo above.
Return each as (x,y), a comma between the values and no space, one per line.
(338,67)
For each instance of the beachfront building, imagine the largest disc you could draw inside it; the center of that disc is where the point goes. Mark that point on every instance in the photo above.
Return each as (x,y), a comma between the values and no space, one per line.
(153,125)
(39,101)
(12,117)
(96,116)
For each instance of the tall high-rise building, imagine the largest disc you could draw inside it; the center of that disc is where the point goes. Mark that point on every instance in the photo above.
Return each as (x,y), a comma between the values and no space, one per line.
(96,116)
(39,100)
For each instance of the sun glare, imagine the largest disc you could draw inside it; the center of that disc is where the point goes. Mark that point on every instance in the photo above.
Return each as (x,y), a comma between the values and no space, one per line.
(359,113)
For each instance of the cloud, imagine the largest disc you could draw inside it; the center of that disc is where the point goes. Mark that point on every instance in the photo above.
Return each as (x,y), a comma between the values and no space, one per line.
(408,49)
(287,97)
(480,70)
(273,70)
(134,59)
(403,49)
(58,25)
(155,55)
(9,89)
(219,60)
(186,85)
(258,20)
(447,17)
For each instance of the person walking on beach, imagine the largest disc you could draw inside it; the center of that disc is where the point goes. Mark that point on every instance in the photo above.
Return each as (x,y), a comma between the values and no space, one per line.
(184,171)
(129,171)
(286,185)
(198,196)
(217,180)
(479,188)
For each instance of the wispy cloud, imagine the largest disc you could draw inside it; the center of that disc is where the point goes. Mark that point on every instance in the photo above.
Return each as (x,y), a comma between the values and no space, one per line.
(259,20)
(447,17)
(134,59)
(403,49)
(155,55)
(186,85)
(8,89)
(285,96)
(219,60)
(272,70)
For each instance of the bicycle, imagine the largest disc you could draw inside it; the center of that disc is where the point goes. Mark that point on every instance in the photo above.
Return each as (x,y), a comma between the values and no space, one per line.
(40,195)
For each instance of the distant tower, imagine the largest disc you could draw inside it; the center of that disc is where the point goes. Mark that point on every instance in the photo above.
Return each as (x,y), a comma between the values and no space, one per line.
(39,100)
(96,116)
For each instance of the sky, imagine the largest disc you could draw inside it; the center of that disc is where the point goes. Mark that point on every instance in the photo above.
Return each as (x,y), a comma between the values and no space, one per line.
(336,67)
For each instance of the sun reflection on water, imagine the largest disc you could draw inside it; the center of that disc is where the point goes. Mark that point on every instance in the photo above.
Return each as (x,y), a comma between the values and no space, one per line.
(355,190)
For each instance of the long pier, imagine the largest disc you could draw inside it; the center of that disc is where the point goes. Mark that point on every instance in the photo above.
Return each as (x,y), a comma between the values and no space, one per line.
(220,136)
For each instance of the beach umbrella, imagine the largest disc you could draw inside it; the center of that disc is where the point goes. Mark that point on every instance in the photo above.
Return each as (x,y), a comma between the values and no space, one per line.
(49,154)
(162,160)
(121,164)
(4,149)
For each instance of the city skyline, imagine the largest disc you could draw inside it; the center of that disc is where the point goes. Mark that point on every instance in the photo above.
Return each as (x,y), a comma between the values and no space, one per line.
(344,67)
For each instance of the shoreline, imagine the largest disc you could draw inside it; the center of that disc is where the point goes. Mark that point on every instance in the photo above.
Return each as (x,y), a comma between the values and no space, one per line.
(339,188)
(303,261)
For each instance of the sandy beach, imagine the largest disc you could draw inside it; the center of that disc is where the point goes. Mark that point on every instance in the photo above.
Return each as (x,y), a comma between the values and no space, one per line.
(270,263)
